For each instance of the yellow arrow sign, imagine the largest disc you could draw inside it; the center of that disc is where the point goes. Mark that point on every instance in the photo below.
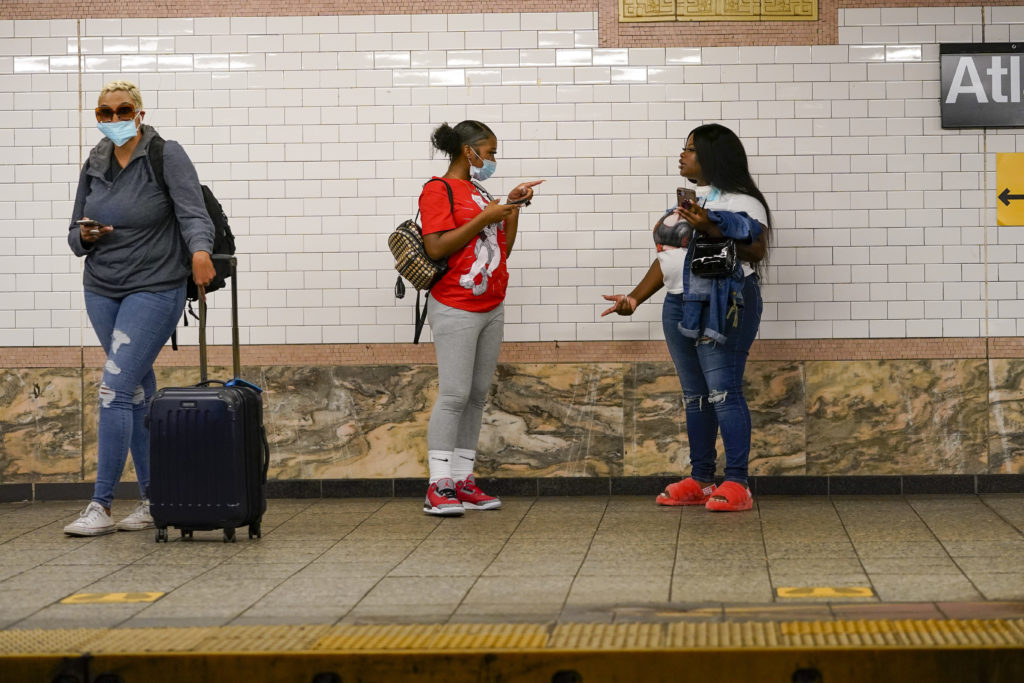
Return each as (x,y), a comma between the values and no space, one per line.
(109,598)
(825,592)
(1009,188)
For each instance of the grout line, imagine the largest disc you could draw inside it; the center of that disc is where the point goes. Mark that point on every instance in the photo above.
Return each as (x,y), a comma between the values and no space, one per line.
(504,545)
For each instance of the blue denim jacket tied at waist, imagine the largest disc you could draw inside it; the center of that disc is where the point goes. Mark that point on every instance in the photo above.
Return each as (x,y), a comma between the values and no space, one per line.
(718,293)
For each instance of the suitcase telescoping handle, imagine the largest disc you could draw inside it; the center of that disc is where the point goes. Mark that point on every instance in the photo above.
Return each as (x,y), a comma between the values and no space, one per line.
(236,360)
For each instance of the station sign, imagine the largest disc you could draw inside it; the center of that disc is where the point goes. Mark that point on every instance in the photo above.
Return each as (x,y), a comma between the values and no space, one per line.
(981,85)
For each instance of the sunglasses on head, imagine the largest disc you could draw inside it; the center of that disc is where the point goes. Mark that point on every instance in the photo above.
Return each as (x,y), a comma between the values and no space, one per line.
(124,112)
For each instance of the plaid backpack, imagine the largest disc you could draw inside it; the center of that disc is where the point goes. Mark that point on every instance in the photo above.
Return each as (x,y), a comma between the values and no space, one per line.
(414,264)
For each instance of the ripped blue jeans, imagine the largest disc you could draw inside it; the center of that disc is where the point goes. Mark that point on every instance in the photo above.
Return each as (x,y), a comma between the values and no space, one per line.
(712,379)
(132,331)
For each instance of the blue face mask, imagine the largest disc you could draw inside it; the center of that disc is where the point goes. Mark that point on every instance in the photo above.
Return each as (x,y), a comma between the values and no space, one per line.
(482,172)
(119,132)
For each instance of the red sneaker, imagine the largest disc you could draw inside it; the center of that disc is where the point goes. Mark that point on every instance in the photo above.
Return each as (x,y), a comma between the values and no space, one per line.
(441,499)
(473,498)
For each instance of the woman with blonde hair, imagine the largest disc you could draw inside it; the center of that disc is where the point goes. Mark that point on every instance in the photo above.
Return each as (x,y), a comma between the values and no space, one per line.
(141,241)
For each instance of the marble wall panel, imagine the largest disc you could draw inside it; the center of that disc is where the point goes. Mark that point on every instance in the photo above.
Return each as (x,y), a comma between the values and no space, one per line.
(40,425)
(569,419)
(655,422)
(348,421)
(778,417)
(1006,416)
(553,419)
(897,417)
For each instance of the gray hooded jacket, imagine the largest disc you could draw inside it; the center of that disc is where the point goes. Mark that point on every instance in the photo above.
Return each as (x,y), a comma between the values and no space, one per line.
(151,246)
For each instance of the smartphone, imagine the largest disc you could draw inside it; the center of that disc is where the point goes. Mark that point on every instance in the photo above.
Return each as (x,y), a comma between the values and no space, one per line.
(514,202)
(685,197)
(89,223)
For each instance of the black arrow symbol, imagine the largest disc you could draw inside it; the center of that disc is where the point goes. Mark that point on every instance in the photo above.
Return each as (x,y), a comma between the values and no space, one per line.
(1005,196)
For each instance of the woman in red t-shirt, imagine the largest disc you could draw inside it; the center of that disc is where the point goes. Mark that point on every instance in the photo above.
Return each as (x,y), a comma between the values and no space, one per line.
(475,233)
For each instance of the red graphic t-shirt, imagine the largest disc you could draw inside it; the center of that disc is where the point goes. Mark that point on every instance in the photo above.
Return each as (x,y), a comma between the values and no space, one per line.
(477,277)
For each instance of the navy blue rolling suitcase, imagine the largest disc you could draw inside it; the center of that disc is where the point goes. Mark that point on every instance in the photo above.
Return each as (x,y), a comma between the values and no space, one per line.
(208,449)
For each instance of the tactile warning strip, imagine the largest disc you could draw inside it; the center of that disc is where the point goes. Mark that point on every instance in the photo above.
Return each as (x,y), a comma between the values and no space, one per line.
(924,634)
(435,637)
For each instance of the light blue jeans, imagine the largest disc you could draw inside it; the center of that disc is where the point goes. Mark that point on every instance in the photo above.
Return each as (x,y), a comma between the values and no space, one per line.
(132,331)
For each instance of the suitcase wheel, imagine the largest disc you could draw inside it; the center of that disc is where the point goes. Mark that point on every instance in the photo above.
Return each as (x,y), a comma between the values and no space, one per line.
(229,535)
(161,535)
(254,530)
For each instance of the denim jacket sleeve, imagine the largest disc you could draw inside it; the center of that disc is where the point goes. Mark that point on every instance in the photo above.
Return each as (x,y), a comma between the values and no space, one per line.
(737,225)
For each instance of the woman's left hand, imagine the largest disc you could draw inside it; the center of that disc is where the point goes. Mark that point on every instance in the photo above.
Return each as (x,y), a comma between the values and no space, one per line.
(697,217)
(523,192)
(203,271)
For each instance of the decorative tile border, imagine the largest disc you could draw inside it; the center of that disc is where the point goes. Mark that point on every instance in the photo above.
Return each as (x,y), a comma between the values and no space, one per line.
(532,352)
(959,484)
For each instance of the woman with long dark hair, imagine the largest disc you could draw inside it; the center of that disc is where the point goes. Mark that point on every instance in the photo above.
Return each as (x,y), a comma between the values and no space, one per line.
(464,224)
(710,324)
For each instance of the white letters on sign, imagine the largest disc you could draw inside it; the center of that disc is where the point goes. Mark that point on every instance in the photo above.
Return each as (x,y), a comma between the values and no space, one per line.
(1003,82)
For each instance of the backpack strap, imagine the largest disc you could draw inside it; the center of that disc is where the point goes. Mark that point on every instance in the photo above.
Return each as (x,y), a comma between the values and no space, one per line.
(421,315)
(451,198)
(156,160)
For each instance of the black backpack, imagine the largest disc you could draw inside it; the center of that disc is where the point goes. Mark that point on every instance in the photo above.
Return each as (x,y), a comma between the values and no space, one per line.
(223,239)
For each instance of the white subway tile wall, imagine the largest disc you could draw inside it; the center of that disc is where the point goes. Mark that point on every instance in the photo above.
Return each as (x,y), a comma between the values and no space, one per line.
(313,132)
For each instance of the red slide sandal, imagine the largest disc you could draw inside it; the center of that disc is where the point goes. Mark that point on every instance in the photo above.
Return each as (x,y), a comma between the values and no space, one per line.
(685,492)
(737,498)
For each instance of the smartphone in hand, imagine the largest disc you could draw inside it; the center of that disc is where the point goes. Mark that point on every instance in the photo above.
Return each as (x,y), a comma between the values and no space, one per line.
(685,197)
(93,226)
(516,202)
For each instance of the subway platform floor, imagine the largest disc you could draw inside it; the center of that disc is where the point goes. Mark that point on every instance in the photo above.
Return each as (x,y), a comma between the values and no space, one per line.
(544,560)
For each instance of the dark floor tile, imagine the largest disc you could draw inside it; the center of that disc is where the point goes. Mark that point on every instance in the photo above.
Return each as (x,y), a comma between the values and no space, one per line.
(573,486)
(789,486)
(13,493)
(293,488)
(640,486)
(358,488)
(125,490)
(1001,483)
(410,488)
(509,487)
(938,483)
(865,486)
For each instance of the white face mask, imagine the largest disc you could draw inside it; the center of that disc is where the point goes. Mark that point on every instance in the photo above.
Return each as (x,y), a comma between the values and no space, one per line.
(482,172)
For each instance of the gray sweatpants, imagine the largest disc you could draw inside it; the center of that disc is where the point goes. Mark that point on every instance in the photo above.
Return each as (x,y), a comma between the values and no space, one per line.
(467,346)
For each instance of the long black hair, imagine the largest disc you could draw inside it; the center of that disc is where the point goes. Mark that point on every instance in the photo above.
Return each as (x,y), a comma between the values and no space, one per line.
(450,140)
(723,162)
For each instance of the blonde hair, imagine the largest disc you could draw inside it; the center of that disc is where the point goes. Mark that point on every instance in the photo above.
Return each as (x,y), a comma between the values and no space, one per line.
(123,86)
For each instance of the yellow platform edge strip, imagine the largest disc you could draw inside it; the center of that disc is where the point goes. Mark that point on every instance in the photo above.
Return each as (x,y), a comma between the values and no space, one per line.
(579,637)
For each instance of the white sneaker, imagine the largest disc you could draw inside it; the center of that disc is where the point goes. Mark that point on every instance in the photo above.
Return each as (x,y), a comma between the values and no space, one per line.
(94,522)
(138,519)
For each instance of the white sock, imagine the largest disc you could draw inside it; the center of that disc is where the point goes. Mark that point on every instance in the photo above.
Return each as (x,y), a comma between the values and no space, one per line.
(440,464)
(462,463)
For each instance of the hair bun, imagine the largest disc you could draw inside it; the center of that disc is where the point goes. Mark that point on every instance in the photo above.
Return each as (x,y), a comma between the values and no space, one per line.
(445,139)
